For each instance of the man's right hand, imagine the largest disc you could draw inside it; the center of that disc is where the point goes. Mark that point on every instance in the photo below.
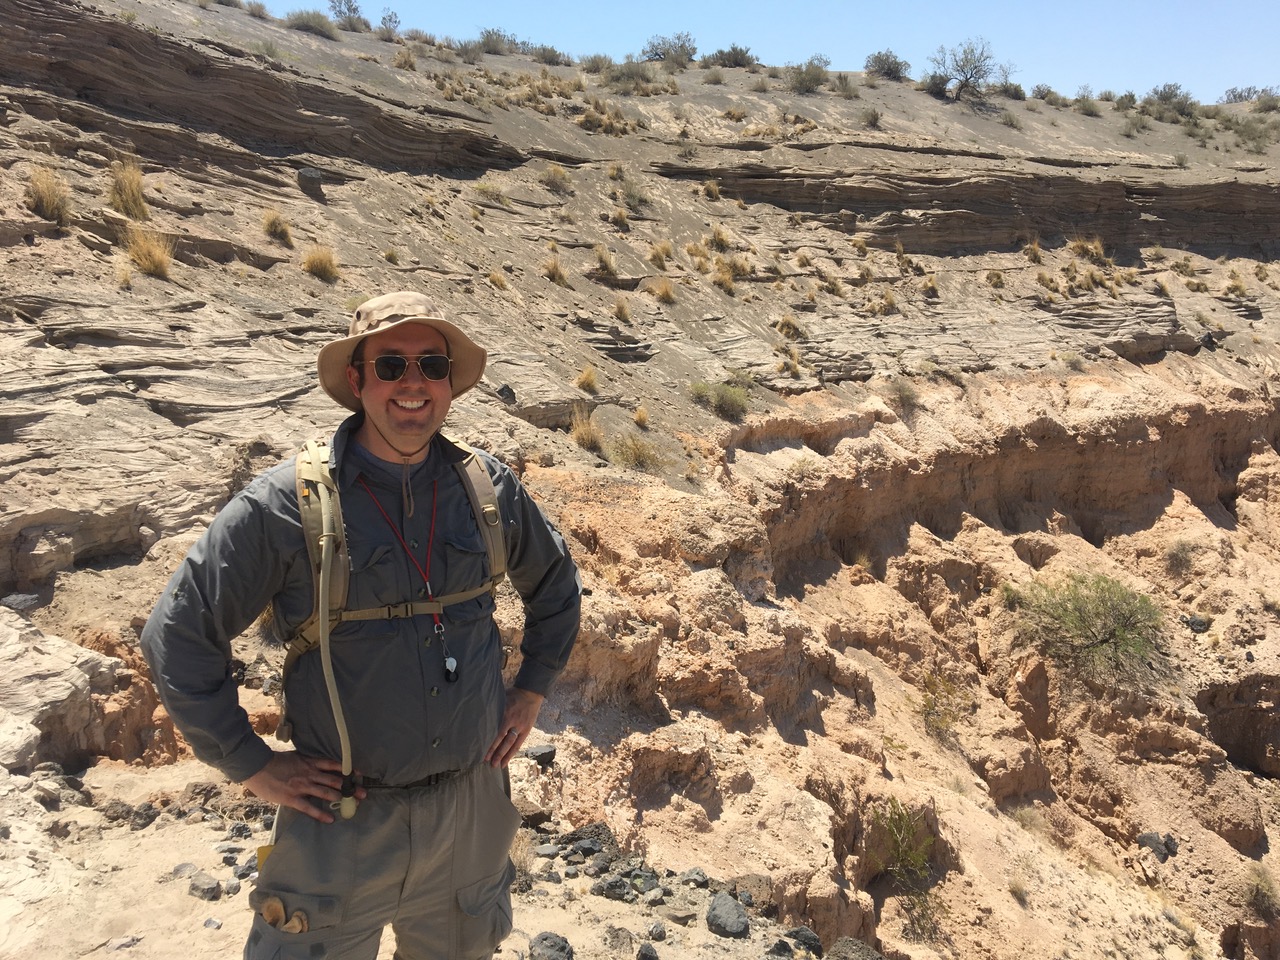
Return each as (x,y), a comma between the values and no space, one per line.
(290,779)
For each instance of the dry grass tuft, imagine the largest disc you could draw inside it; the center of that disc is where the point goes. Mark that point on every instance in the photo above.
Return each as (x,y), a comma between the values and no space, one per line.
(150,251)
(719,240)
(587,381)
(584,430)
(277,227)
(554,272)
(622,309)
(663,290)
(789,327)
(125,194)
(660,253)
(641,418)
(321,264)
(604,261)
(635,452)
(619,219)
(1032,252)
(405,60)
(711,189)
(48,196)
(556,179)
(497,280)
(995,278)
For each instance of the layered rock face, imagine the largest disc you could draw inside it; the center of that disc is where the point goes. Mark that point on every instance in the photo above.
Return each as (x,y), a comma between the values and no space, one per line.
(887,383)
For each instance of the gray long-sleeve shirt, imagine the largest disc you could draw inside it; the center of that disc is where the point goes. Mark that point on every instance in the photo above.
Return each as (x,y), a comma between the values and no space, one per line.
(406,721)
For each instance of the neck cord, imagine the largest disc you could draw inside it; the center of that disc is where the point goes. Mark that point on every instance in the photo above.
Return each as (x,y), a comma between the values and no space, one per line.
(406,490)
(425,573)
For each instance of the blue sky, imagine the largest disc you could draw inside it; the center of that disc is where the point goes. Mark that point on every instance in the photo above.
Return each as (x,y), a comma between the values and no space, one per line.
(1117,45)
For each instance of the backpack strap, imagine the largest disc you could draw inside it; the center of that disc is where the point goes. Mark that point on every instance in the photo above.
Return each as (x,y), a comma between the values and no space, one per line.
(484,504)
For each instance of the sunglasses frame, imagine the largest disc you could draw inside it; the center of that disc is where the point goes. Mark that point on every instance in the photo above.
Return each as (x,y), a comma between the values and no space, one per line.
(448,366)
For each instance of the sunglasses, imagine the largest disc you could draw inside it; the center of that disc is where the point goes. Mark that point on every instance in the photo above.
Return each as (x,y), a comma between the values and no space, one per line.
(434,366)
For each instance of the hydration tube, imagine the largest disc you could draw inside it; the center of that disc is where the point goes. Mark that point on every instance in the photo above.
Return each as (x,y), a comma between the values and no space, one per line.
(347,805)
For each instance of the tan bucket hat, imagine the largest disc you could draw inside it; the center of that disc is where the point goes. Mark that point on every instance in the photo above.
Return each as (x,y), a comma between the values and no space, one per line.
(383,313)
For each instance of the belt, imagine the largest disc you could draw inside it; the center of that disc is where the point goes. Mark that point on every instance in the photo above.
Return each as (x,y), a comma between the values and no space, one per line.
(373,783)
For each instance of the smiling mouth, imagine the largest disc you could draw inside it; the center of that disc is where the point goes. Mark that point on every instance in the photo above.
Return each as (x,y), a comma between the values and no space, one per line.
(410,404)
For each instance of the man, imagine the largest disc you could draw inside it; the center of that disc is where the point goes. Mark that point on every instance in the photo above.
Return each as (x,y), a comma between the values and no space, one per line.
(428,726)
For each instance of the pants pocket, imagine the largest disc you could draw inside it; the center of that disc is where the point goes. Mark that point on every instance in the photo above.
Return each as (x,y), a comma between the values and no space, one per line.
(484,914)
(265,942)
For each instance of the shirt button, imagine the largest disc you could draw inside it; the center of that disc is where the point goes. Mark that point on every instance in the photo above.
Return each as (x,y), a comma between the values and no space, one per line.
(435,691)
(435,742)
(414,544)
(422,591)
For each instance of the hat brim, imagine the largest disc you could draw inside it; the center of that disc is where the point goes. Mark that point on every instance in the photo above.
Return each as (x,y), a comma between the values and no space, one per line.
(465,372)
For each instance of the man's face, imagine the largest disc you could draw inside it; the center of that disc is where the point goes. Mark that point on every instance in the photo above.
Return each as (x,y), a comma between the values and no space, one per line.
(406,412)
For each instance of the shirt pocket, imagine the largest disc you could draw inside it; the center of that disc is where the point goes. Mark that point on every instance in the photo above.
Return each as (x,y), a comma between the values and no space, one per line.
(466,567)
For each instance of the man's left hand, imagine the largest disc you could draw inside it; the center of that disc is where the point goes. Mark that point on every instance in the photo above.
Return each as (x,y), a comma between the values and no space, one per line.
(517,720)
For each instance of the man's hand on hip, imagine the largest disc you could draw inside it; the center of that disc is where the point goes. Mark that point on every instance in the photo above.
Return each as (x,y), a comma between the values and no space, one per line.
(517,720)
(290,779)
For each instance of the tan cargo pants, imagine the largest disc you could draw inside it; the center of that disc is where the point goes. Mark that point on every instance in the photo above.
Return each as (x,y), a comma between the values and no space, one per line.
(431,861)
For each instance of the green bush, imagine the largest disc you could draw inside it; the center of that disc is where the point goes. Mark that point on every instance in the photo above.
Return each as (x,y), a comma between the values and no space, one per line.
(888,65)
(312,21)
(935,84)
(677,50)
(497,42)
(735,56)
(1093,626)
(542,53)
(596,63)
(808,77)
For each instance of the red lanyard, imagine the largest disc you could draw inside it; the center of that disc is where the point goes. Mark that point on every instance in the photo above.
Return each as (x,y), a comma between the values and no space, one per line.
(431,537)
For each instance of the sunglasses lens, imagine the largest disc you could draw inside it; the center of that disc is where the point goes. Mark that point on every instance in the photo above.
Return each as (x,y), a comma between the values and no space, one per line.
(434,366)
(390,368)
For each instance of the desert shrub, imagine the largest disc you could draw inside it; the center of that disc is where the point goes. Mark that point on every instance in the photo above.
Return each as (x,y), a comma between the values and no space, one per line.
(995,278)
(711,189)
(1179,556)
(1008,89)
(584,430)
(1032,252)
(713,77)
(1169,103)
(311,21)
(257,9)
(728,401)
(556,179)
(1126,101)
(677,50)
(634,196)
(497,42)
(935,84)
(543,53)
(735,56)
(353,24)
(596,63)
(1011,121)
(238,4)
(470,51)
(1042,91)
(660,253)
(969,65)
(622,309)
(941,706)
(125,192)
(1087,106)
(1135,125)
(641,418)
(48,197)
(275,226)
(842,85)
(405,60)
(808,77)
(635,452)
(150,251)
(604,261)
(886,64)
(497,280)
(1093,626)
(736,114)
(620,219)
(389,26)
(321,263)
(1261,892)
